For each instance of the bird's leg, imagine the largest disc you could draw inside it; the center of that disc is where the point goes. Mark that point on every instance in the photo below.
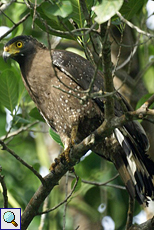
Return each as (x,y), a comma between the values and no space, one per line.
(71,141)
(74,133)
(64,156)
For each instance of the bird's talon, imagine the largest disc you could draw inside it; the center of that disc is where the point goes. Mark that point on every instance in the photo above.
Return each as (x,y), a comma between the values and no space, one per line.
(64,156)
(52,167)
(56,161)
(67,157)
(52,171)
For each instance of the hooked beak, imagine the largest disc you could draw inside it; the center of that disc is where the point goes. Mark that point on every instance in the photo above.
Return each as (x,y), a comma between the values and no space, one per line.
(6,55)
(10,52)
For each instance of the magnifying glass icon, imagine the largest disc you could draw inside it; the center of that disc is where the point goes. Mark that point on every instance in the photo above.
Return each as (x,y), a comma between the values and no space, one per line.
(9,217)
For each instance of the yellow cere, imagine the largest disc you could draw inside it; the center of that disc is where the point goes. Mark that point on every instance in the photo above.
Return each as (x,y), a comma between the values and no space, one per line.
(14,48)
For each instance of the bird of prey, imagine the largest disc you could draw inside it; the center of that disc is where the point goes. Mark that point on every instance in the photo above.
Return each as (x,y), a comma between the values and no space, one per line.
(56,81)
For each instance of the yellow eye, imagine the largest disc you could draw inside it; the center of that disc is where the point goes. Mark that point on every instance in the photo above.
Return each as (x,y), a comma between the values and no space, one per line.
(19,44)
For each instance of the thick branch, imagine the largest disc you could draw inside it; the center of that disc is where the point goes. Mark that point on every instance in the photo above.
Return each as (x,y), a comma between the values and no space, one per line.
(107,71)
(52,179)
(32,208)
(148,225)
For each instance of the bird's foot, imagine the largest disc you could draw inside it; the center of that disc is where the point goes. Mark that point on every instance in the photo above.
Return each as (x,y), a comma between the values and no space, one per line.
(53,165)
(64,157)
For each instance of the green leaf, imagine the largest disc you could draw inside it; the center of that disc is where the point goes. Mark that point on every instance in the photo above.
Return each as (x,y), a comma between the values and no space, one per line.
(60,8)
(106,10)
(89,4)
(35,114)
(18,119)
(143,100)
(2,123)
(8,89)
(56,137)
(77,14)
(54,22)
(131,7)
(78,186)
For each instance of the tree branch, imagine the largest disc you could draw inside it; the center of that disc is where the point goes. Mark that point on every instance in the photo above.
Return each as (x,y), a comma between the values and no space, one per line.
(107,71)
(64,201)
(15,25)
(130,213)
(4,191)
(133,26)
(5,147)
(103,183)
(148,225)
(18,131)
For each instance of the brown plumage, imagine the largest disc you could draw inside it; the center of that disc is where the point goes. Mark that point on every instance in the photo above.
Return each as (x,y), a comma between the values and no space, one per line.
(55,81)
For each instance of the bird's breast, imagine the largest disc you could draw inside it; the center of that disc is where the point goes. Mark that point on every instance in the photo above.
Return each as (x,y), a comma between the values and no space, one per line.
(60,100)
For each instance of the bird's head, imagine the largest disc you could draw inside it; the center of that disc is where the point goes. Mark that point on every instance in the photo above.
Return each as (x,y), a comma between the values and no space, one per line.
(18,48)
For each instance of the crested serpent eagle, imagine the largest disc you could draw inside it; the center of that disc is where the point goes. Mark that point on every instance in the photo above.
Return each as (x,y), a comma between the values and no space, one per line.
(56,81)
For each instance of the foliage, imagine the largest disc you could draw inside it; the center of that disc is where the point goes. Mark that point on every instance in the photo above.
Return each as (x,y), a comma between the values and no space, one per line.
(70,21)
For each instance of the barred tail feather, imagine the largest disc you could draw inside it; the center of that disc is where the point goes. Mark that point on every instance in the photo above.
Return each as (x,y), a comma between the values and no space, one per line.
(137,166)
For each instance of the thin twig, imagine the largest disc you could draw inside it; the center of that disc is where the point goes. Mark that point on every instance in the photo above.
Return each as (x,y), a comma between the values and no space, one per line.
(34,14)
(102,183)
(7,17)
(128,59)
(43,216)
(18,131)
(89,90)
(22,161)
(16,25)
(64,91)
(130,45)
(6,5)
(133,26)
(64,201)
(119,53)
(92,52)
(4,191)
(65,206)
(75,32)
(130,213)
